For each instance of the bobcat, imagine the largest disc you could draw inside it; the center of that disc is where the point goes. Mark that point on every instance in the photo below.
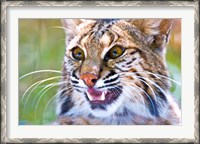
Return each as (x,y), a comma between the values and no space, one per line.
(115,73)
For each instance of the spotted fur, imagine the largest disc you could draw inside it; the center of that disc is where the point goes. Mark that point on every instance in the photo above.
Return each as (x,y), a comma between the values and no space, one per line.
(140,95)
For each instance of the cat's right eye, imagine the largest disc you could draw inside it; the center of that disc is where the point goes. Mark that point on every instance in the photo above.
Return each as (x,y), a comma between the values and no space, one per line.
(78,53)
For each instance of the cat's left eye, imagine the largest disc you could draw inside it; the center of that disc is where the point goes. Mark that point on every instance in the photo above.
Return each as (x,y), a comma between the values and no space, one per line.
(78,53)
(115,52)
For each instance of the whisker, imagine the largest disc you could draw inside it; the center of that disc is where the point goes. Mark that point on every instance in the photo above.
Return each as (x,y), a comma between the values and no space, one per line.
(117,89)
(38,83)
(52,98)
(37,104)
(150,99)
(44,93)
(156,86)
(39,71)
(64,28)
(128,93)
(135,91)
(149,87)
(115,92)
(142,99)
(47,87)
(55,98)
(136,101)
(156,75)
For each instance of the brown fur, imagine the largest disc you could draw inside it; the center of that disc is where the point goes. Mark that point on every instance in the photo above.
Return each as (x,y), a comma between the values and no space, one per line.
(144,41)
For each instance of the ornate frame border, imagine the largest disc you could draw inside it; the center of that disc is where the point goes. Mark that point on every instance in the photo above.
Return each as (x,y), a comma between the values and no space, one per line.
(5,4)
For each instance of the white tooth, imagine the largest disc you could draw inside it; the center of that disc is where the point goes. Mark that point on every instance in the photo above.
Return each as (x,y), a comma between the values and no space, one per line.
(103,96)
(89,96)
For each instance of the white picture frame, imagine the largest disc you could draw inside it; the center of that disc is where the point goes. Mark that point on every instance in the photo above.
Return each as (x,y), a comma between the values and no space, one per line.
(10,13)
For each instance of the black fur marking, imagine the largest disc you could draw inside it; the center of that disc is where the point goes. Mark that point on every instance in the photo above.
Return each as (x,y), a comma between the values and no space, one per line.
(74,75)
(123,114)
(132,53)
(120,61)
(110,74)
(77,86)
(67,105)
(78,90)
(134,59)
(152,102)
(129,62)
(130,66)
(91,116)
(63,93)
(111,21)
(113,84)
(96,106)
(102,25)
(117,91)
(161,95)
(75,82)
(111,80)
(153,107)
(121,69)
(101,69)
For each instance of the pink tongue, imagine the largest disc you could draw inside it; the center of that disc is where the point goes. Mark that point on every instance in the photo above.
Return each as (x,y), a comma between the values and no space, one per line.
(94,93)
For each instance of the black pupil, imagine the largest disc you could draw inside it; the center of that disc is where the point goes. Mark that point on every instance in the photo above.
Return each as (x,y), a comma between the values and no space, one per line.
(115,52)
(79,54)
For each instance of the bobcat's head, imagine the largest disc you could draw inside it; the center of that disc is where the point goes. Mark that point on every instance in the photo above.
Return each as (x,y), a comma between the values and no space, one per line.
(113,65)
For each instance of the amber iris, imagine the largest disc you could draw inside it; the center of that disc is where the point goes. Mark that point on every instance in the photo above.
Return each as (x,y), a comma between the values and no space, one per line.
(115,52)
(78,53)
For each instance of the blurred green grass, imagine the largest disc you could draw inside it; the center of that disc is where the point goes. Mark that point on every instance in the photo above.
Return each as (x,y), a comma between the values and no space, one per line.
(42,46)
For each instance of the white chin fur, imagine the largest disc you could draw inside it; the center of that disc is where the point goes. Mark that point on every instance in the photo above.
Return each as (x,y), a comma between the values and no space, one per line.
(110,109)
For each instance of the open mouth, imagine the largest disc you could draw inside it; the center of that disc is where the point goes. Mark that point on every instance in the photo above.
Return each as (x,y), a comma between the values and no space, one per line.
(98,97)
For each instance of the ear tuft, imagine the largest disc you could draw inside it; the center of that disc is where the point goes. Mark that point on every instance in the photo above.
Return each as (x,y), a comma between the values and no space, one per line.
(71,24)
(165,26)
(70,27)
(157,31)
(147,26)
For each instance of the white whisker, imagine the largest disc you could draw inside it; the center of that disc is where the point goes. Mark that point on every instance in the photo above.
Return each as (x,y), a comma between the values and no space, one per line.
(37,83)
(64,28)
(130,93)
(53,97)
(149,87)
(39,71)
(156,85)
(43,94)
(148,98)
(156,75)
(142,99)
(46,87)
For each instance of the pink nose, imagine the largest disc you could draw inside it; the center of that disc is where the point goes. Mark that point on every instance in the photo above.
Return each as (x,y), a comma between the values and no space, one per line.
(89,79)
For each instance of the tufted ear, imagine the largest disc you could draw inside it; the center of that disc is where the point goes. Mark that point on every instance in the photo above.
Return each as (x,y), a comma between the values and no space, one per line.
(156,31)
(71,24)
(70,27)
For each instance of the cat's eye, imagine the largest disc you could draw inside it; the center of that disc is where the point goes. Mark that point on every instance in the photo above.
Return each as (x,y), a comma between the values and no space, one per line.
(78,53)
(115,52)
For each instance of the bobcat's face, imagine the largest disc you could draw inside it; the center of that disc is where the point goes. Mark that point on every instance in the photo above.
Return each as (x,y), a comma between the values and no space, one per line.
(110,67)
